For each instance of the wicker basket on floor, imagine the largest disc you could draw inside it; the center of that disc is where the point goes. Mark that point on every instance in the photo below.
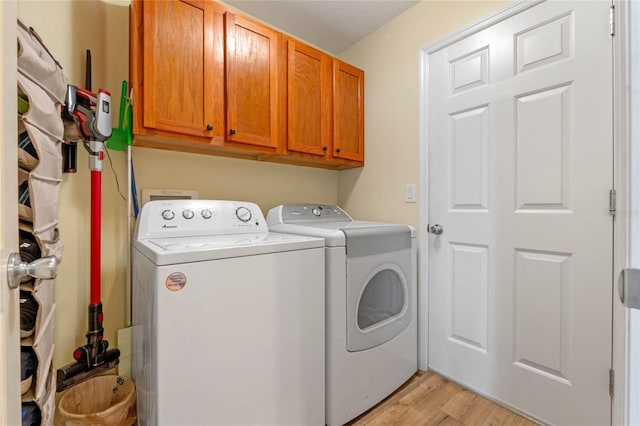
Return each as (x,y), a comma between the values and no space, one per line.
(102,400)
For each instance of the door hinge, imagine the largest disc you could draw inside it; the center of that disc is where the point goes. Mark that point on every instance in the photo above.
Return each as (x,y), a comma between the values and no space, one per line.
(612,381)
(612,21)
(612,202)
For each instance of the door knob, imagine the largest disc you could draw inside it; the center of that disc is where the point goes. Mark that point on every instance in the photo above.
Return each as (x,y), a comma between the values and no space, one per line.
(45,268)
(436,229)
(629,288)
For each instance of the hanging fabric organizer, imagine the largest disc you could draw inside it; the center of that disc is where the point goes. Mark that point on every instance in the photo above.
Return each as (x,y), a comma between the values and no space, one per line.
(43,84)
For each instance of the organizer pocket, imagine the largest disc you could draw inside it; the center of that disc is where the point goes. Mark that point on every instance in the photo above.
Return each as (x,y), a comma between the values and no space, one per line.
(35,61)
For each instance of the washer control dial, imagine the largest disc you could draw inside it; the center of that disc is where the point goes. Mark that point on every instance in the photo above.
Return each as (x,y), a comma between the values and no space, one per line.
(317,211)
(187,214)
(168,214)
(206,214)
(243,213)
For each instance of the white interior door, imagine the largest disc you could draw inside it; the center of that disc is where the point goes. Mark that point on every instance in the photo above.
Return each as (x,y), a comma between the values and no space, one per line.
(520,168)
(9,316)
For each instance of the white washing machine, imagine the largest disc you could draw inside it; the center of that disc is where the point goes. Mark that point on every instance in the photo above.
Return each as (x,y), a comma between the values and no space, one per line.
(228,318)
(371,304)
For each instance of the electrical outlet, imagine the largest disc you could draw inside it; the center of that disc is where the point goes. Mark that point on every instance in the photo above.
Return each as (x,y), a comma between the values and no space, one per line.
(410,193)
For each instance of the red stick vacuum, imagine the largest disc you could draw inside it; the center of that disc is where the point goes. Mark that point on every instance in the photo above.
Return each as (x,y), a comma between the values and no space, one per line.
(91,114)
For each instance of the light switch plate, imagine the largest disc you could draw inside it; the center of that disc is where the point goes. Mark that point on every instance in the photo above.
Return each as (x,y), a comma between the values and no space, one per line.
(410,193)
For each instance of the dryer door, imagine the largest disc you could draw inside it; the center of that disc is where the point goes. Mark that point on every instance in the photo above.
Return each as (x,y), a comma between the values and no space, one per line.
(379,287)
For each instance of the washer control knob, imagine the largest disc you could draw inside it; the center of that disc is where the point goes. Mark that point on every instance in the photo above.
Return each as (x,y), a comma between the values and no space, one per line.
(187,214)
(243,213)
(168,214)
(206,213)
(317,211)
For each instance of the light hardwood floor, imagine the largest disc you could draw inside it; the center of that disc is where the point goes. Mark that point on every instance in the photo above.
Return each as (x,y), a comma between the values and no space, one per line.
(429,399)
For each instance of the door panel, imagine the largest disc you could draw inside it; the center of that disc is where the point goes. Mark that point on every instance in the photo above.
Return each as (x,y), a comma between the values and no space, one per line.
(468,153)
(309,99)
(541,281)
(542,145)
(180,68)
(469,287)
(252,92)
(348,112)
(520,170)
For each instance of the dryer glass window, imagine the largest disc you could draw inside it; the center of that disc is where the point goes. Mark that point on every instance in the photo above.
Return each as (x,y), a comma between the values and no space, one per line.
(382,298)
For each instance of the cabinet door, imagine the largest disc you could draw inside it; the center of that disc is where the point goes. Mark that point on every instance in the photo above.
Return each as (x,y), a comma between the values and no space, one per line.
(252,90)
(309,99)
(180,67)
(348,112)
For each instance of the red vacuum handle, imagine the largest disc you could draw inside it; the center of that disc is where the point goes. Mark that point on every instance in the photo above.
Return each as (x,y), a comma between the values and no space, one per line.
(96,210)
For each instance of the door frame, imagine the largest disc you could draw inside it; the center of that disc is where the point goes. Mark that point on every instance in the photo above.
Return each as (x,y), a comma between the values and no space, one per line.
(626,90)
(624,170)
(9,317)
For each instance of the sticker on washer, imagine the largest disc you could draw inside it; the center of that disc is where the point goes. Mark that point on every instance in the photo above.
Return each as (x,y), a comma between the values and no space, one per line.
(176,281)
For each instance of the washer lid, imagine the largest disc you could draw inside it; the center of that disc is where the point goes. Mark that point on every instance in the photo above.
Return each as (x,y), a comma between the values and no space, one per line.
(170,251)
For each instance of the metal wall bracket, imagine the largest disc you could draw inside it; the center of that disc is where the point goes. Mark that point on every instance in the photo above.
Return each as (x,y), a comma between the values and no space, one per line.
(629,288)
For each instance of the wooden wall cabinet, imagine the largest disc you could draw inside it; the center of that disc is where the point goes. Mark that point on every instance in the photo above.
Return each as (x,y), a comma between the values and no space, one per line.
(324,109)
(183,52)
(208,80)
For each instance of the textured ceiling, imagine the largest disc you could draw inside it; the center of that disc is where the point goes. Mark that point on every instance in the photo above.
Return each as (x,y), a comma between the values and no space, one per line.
(332,25)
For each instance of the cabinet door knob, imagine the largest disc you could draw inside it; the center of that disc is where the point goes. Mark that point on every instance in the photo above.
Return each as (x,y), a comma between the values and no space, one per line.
(338,150)
(209,127)
(232,131)
(324,148)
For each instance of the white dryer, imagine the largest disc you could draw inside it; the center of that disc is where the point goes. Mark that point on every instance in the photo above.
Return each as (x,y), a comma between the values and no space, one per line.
(370,306)
(228,318)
